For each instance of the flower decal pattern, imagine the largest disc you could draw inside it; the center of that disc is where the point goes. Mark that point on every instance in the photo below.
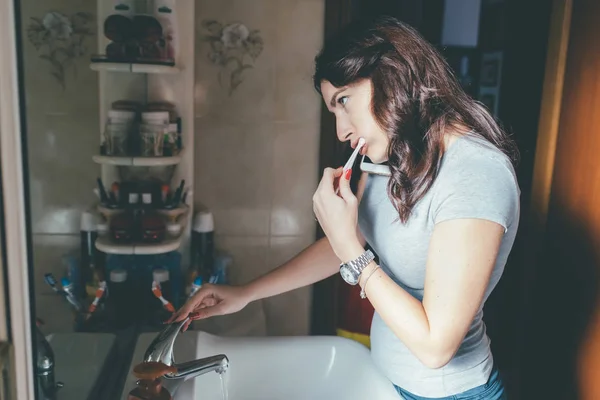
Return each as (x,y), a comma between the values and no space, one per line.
(60,40)
(234,48)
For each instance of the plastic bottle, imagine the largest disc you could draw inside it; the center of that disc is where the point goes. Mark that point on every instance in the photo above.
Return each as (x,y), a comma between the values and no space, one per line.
(118,304)
(70,295)
(196,285)
(203,244)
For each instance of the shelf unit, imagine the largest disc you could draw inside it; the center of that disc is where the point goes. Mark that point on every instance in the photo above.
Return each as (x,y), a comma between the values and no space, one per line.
(106,245)
(126,161)
(133,68)
(149,83)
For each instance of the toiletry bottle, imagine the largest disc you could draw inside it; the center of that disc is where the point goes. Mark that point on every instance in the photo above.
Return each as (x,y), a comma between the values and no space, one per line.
(88,236)
(118,304)
(203,245)
(196,285)
(68,289)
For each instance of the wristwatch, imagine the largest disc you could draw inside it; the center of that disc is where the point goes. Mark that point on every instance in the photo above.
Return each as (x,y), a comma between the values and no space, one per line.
(351,270)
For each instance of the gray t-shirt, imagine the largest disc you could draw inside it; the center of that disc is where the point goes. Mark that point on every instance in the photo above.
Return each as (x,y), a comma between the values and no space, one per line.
(475,180)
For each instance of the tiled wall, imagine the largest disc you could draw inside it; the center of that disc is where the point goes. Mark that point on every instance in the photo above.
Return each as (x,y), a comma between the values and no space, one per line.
(257,149)
(62,136)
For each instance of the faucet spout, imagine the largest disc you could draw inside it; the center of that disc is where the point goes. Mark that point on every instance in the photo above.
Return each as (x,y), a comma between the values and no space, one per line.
(192,369)
(161,351)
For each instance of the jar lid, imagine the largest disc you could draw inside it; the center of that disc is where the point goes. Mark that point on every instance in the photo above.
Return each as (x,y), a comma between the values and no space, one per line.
(121,114)
(160,275)
(118,275)
(160,105)
(88,221)
(102,226)
(174,227)
(204,222)
(155,115)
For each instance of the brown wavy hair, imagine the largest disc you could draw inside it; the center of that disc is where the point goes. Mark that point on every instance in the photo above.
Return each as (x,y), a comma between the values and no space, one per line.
(416,99)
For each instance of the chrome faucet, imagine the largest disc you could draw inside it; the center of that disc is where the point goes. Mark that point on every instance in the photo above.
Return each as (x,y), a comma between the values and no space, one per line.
(44,368)
(161,350)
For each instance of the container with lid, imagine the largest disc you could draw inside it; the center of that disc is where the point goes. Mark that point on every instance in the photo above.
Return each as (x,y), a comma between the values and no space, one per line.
(119,305)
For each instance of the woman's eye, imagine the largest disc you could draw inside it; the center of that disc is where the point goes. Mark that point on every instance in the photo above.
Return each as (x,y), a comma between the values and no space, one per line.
(343,100)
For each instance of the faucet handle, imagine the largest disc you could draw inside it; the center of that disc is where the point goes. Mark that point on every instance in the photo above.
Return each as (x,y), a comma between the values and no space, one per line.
(161,348)
(152,370)
(149,390)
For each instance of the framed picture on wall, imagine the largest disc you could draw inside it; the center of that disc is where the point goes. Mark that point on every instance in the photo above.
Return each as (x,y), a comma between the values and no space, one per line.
(490,80)
(489,97)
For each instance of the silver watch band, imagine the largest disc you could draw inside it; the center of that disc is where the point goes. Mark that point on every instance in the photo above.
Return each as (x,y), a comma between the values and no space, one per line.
(361,262)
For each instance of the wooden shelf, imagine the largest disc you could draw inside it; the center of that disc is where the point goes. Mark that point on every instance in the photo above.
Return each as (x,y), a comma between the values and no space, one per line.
(134,68)
(137,161)
(106,245)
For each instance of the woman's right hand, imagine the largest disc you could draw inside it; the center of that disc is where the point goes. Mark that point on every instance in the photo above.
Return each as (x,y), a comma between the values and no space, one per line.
(212,300)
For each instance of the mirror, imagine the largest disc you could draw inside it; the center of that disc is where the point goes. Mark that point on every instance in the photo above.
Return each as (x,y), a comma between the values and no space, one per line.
(134,187)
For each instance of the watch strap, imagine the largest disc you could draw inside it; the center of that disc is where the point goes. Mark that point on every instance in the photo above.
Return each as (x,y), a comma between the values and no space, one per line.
(361,262)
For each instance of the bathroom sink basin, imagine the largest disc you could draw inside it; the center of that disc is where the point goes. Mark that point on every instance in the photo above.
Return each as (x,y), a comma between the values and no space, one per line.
(277,368)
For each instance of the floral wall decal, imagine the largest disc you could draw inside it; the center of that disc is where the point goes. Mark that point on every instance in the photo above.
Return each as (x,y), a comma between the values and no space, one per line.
(234,48)
(61,39)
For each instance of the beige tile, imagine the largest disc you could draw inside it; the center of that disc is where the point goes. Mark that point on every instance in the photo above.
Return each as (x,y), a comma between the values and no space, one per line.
(232,165)
(242,221)
(300,28)
(62,173)
(249,255)
(249,321)
(55,312)
(254,98)
(288,313)
(48,251)
(295,174)
(43,91)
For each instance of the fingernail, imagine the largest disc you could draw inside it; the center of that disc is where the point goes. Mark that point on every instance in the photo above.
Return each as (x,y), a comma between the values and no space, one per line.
(348,174)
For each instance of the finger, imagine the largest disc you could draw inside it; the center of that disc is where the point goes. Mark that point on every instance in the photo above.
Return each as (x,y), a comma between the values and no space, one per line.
(345,191)
(327,179)
(210,311)
(186,325)
(208,302)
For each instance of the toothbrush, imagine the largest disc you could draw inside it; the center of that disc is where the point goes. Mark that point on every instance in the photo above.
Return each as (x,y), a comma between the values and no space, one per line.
(99,293)
(158,294)
(51,281)
(350,162)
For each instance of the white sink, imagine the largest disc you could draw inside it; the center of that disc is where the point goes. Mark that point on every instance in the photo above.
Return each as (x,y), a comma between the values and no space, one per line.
(277,368)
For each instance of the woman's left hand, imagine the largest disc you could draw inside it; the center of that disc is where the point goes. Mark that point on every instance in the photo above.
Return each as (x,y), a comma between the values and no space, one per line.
(337,213)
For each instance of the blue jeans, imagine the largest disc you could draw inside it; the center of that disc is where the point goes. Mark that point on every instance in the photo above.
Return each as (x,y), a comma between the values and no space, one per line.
(493,389)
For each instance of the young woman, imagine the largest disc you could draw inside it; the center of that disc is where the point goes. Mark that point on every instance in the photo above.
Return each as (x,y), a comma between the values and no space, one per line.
(442,222)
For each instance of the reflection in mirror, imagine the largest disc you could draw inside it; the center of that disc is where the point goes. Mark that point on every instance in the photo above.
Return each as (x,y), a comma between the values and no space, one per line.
(118,237)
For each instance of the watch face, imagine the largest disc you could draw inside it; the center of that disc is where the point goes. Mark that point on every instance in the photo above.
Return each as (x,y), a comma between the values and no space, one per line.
(348,274)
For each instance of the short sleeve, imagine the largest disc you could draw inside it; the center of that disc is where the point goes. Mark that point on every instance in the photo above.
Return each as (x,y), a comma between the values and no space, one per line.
(479,187)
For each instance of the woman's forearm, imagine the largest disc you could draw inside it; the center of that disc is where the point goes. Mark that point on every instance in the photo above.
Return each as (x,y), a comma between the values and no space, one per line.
(315,263)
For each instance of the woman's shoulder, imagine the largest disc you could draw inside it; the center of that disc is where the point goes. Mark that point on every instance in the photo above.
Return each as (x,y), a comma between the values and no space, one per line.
(472,156)
(476,178)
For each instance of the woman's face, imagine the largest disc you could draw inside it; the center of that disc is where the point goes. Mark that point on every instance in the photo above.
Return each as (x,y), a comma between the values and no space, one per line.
(352,108)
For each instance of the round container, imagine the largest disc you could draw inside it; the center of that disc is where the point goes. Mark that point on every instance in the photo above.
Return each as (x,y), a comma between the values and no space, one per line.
(121,116)
(174,229)
(156,117)
(116,138)
(152,139)
(163,106)
(102,228)
(119,293)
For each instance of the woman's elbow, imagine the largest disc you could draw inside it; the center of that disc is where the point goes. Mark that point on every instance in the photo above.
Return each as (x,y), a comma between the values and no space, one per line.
(436,359)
